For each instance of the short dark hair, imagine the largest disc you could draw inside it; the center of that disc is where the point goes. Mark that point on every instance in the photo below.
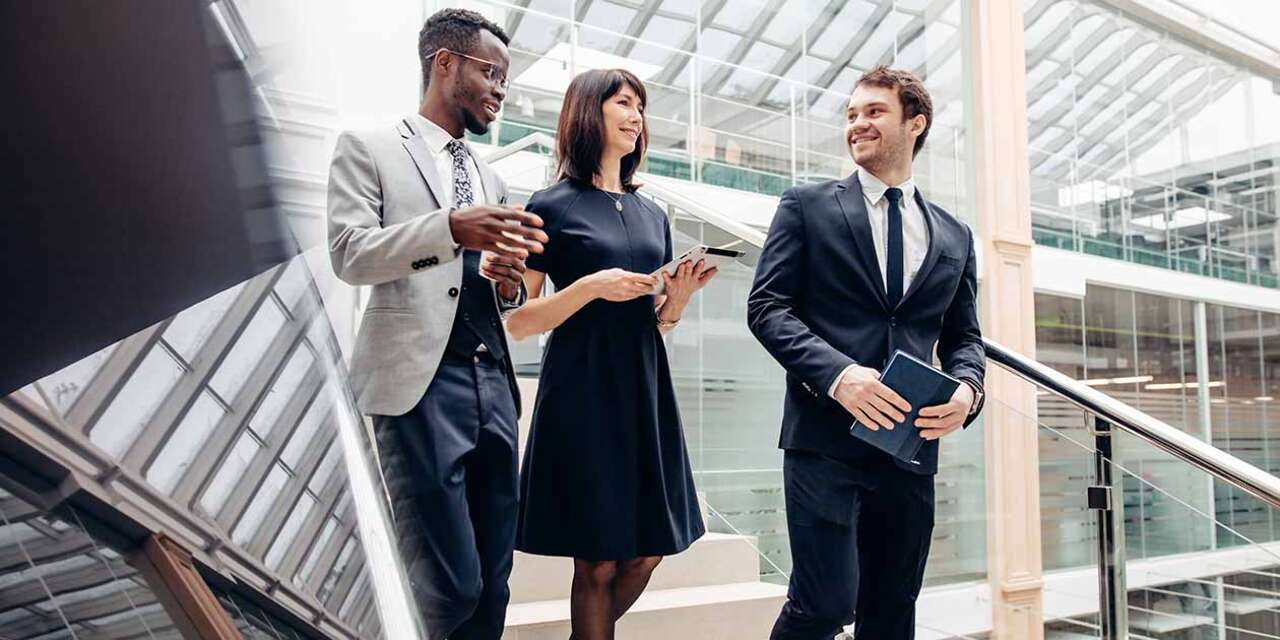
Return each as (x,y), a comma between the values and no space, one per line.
(456,30)
(914,97)
(580,132)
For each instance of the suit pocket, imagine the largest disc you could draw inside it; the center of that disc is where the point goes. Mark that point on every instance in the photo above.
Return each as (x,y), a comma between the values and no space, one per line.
(945,260)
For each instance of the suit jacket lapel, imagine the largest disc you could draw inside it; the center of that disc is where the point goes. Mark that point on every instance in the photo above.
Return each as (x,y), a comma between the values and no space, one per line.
(931,255)
(849,196)
(417,148)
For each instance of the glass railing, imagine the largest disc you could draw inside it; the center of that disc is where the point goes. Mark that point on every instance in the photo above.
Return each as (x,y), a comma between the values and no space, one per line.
(1148,531)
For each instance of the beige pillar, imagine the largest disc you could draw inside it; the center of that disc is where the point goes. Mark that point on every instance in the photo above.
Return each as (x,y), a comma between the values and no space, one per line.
(997,108)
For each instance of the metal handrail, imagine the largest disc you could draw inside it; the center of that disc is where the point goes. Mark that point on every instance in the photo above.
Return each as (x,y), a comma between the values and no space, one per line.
(1175,442)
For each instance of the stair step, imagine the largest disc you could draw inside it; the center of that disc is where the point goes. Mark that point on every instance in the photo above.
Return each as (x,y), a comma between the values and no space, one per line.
(716,558)
(716,612)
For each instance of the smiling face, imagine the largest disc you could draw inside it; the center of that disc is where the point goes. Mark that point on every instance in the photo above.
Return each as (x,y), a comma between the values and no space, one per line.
(478,98)
(876,128)
(623,120)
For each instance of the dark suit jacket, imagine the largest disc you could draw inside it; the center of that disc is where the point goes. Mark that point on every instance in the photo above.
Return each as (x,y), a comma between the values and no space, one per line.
(818,305)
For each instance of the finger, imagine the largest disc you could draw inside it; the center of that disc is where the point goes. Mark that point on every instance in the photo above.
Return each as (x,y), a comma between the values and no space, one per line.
(666,278)
(863,419)
(708,274)
(502,273)
(888,409)
(521,216)
(938,411)
(929,423)
(525,234)
(498,247)
(872,412)
(934,434)
(892,396)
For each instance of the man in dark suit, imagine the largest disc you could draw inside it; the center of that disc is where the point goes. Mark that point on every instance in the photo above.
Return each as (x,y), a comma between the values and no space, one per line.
(853,269)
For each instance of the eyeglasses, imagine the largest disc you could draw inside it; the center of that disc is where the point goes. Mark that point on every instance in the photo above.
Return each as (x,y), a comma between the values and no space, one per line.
(494,74)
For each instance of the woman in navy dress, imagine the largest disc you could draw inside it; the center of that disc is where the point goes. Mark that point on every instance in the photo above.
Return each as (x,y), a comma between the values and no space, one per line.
(606,476)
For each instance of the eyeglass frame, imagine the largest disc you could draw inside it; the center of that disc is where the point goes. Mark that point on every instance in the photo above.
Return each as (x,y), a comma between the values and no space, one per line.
(504,83)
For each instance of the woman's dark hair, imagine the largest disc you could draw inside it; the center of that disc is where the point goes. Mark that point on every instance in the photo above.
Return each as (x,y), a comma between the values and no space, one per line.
(580,134)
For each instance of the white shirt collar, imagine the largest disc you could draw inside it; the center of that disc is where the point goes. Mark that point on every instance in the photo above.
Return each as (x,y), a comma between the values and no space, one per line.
(435,136)
(873,188)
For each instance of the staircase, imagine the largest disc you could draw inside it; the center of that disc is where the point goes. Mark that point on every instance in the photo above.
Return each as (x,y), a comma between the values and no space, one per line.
(712,591)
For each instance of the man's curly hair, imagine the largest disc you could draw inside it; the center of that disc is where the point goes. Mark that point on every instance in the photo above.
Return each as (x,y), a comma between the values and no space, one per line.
(454,29)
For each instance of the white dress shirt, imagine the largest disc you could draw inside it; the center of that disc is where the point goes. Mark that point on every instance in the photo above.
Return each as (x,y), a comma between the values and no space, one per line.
(437,139)
(915,234)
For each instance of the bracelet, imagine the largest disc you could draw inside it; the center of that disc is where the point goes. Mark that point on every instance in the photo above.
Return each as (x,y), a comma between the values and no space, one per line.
(667,324)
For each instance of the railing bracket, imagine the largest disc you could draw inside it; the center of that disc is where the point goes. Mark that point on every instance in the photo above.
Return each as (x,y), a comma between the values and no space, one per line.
(1099,498)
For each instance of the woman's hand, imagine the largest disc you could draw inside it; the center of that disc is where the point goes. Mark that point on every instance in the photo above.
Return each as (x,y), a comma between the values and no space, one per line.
(689,279)
(620,285)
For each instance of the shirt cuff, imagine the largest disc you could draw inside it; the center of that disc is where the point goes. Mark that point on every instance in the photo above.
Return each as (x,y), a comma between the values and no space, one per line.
(831,391)
(973,386)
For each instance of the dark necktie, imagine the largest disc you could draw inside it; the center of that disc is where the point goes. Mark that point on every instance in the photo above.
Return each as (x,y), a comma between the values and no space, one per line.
(893,248)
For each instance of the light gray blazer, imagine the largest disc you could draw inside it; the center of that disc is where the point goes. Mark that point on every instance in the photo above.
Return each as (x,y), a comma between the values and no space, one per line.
(387,229)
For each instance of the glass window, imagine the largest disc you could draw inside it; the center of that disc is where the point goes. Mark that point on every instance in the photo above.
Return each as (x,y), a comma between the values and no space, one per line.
(284,540)
(137,401)
(305,436)
(282,391)
(190,328)
(323,472)
(313,556)
(248,350)
(294,283)
(260,506)
(65,386)
(230,473)
(186,442)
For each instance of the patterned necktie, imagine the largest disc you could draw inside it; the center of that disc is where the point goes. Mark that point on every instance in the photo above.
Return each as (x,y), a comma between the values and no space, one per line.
(462,194)
(893,245)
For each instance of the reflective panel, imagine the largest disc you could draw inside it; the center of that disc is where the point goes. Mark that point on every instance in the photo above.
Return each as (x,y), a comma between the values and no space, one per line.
(237,410)
(59,581)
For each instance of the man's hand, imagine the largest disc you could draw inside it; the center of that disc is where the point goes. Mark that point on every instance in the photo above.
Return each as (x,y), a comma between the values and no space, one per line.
(506,231)
(871,403)
(940,420)
(505,271)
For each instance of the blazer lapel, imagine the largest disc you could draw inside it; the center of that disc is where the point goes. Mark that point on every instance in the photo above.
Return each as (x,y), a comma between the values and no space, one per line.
(417,148)
(931,255)
(849,196)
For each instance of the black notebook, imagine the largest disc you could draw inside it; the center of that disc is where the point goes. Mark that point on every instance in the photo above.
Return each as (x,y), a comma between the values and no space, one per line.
(920,385)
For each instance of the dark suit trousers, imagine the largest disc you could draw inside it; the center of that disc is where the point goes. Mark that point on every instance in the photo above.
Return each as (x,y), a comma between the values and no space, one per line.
(860,536)
(450,469)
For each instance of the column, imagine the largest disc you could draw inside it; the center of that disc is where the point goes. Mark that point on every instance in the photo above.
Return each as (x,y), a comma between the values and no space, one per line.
(996,108)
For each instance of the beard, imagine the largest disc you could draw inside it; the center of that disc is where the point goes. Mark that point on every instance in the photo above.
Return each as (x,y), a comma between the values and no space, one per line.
(888,154)
(473,123)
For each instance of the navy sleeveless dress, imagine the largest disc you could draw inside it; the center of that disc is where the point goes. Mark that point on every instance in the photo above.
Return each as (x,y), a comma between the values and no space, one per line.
(606,473)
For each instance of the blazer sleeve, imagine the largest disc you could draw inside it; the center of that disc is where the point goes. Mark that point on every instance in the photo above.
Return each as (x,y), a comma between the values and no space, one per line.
(960,347)
(775,299)
(362,249)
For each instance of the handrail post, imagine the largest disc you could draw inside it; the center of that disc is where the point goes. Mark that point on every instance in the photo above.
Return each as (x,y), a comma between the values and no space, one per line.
(1108,504)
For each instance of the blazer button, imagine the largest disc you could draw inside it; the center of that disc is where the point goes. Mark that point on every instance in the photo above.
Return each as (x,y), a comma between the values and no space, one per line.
(453,292)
